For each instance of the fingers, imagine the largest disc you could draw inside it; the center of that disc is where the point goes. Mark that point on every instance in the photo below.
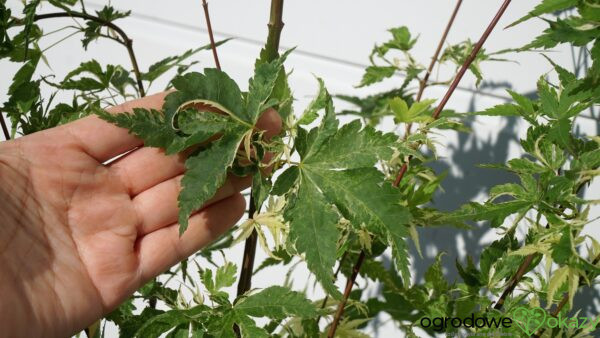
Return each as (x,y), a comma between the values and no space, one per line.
(103,140)
(157,207)
(164,248)
(270,122)
(146,167)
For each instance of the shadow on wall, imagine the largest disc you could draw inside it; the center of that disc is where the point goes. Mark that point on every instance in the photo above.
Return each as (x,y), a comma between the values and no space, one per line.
(471,183)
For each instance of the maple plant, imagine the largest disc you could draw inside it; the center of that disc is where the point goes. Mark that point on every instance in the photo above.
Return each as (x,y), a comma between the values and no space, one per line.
(339,198)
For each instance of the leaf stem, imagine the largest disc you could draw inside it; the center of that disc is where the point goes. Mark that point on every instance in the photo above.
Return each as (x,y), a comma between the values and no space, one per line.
(210,35)
(272,51)
(404,168)
(126,41)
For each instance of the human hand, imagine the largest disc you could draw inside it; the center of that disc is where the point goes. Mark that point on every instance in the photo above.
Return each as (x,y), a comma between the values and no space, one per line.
(78,236)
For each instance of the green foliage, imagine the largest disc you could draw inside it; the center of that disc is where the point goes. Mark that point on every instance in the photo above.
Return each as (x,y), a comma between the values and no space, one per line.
(334,191)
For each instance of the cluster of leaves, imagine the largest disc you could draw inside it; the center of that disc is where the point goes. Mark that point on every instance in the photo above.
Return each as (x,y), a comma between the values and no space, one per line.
(332,189)
(394,58)
(221,319)
(92,86)
(557,164)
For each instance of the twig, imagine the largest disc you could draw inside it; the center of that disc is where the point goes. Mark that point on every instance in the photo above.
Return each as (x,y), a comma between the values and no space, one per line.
(403,169)
(4,127)
(471,58)
(514,281)
(245,282)
(272,51)
(210,35)
(126,41)
(340,309)
(434,59)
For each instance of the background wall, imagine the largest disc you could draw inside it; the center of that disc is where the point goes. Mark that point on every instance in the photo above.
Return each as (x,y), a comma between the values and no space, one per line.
(333,40)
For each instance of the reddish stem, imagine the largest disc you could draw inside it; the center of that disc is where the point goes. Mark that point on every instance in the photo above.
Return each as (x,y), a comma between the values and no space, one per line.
(210,35)
(434,59)
(514,281)
(340,310)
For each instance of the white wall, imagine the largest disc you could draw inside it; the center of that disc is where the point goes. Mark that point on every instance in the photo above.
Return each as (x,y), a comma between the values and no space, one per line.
(333,40)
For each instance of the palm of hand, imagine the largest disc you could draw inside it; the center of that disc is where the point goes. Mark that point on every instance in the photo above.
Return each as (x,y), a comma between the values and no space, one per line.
(81,236)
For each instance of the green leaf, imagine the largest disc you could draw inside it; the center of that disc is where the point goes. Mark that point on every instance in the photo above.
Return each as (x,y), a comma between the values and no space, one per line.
(400,109)
(496,213)
(352,147)
(157,325)
(561,134)
(435,276)
(205,173)
(214,88)
(261,86)
(545,7)
(401,39)
(319,102)
(495,251)
(277,302)
(363,197)
(525,166)
(225,276)
(564,250)
(507,109)
(313,232)
(285,181)
(559,277)
(161,67)
(374,74)
(261,188)
(149,125)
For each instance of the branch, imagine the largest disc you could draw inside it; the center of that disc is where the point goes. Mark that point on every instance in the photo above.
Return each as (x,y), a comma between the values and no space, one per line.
(471,58)
(4,127)
(210,35)
(434,59)
(340,309)
(404,168)
(127,42)
(272,51)
(514,281)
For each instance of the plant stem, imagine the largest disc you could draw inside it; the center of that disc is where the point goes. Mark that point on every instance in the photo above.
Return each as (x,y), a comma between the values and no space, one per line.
(434,59)
(4,127)
(210,35)
(340,310)
(126,41)
(404,168)
(245,282)
(471,58)
(514,281)
(272,51)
